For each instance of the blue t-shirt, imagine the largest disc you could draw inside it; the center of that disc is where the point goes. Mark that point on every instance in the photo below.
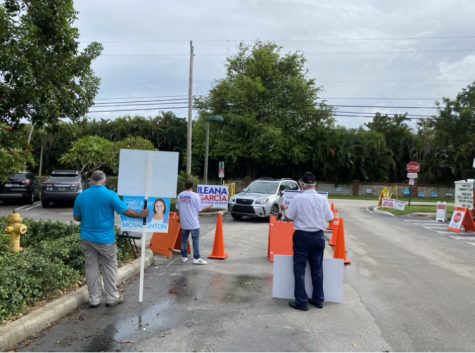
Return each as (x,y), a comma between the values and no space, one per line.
(95,207)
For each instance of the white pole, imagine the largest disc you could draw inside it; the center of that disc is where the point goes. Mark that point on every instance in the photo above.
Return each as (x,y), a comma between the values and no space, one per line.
(148,175)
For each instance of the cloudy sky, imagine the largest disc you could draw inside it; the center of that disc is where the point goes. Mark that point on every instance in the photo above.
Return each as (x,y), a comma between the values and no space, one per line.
(366,55)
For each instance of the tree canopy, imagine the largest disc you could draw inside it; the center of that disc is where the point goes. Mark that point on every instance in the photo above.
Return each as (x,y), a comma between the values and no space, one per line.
(267,102)
(43,75)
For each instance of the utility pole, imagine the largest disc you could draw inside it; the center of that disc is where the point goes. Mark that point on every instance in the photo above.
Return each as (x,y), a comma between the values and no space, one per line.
(190,112)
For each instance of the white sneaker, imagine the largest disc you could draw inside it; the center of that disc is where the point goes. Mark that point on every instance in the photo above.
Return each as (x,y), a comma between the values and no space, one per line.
(184,259)
(199,261)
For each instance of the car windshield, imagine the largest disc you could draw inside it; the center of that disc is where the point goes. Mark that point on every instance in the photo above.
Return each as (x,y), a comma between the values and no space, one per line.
(17,176)
(63,178)
(263,187)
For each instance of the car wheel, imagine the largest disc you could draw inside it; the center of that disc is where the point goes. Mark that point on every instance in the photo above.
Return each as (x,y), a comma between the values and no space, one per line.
(237,217)
(30,198)
(274,210)
(44,203)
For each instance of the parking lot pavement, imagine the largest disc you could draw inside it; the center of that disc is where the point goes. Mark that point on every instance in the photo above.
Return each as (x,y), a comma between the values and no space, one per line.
(62,213)
(226,305)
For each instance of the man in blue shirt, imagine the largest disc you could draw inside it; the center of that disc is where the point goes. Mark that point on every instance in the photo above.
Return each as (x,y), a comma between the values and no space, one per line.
(94,208)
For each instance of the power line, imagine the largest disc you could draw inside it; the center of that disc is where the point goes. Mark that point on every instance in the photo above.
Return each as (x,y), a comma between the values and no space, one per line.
(288,40)
(111,98)
(379,106)
(139,109)
(377,98)
(306,53)
(141,102)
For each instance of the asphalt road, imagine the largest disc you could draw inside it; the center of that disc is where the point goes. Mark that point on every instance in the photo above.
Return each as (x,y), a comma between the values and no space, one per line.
(408,288)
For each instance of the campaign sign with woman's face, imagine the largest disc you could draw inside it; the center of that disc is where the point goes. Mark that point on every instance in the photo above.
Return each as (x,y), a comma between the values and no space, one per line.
(157,220)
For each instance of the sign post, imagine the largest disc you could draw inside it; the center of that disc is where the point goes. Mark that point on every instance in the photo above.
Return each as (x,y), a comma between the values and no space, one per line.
(145,173)
(412,169)
(221,171)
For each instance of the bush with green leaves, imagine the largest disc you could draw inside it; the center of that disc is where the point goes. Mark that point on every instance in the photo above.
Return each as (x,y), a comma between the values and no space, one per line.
(51,263)
(28,277)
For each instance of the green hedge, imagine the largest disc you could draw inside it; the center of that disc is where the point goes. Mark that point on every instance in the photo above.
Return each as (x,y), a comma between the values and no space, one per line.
(50,264)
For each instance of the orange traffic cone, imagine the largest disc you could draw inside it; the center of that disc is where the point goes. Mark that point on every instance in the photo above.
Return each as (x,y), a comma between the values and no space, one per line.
(332,207)
(340,248)
(334,226)
(218,247)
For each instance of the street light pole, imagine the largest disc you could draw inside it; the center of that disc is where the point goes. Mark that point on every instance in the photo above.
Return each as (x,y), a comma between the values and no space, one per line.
(205,177)
(211,119)
(190,112)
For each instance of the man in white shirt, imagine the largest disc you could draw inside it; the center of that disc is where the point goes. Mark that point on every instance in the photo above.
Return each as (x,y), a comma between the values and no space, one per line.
(311,214)
(189,205)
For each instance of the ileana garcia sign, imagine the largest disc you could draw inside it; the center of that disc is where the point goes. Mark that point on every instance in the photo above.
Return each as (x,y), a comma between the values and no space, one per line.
(391,203)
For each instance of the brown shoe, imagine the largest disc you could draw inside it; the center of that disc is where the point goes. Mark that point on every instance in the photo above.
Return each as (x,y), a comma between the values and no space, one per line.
(117,302)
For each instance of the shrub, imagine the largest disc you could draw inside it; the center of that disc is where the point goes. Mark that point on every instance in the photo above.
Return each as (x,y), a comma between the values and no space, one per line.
(51,263)
(27,277)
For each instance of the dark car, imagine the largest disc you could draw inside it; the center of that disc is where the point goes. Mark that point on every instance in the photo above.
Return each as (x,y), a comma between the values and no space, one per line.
(20,186)
(62,186)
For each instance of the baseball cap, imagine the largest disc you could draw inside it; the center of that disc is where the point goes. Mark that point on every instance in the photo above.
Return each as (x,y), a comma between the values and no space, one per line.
(308,178)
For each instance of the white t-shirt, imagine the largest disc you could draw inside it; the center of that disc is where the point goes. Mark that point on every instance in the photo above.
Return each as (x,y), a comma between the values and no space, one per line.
(309,211)
(189,205)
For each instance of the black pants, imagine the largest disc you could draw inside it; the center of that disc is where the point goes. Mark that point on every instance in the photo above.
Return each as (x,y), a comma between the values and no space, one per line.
(308,246)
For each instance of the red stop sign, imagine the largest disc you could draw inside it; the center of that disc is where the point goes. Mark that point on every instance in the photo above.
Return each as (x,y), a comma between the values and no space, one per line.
(413,167)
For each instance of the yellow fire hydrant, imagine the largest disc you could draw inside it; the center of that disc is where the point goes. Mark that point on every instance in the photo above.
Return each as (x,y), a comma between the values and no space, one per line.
(15,228)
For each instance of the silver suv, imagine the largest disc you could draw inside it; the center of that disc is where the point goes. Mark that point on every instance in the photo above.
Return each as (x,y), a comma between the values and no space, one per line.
(261,198)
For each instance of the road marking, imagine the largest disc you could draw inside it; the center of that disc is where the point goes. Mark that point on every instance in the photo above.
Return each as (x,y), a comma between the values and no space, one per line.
(21,207)
(36,204)
(441,228)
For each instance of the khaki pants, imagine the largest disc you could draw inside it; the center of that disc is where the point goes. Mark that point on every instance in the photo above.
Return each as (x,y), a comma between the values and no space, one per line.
(101,258)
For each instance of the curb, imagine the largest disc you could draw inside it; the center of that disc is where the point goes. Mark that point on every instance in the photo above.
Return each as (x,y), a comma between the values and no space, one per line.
(15,332)
(378,211)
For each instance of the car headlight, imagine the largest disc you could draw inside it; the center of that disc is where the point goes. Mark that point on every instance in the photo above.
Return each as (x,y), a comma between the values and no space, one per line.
(232,200)
(261,201)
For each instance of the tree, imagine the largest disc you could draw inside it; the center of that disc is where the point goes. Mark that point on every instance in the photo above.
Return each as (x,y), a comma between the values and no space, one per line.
(13,157)
(90,153)
(43,76)
(453,137)
(135,142)
(399,139)
(267,103)
(93,152)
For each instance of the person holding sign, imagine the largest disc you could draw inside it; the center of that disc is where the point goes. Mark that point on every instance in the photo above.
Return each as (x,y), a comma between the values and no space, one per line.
(189,205)
(159,211)
(94,208)
(311,214)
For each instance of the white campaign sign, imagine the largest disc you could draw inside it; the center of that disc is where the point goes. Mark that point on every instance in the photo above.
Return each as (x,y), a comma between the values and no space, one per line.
(215,195)
(441,212)
(464,194)
(132,173)
(391,203)
(144,173)
(283,280)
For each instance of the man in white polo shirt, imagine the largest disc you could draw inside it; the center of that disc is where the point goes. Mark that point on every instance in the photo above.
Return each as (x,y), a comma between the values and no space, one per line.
(311,214)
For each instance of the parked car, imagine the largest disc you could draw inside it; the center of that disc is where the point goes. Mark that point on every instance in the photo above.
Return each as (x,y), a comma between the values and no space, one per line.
(261,198)
(20,186)
(62,186)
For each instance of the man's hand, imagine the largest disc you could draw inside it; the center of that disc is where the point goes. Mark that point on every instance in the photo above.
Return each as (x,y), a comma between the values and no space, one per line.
(132,214)
(283,207)
(144,213)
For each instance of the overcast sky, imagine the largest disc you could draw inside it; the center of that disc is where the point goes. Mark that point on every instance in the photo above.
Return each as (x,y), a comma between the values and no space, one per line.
(370,53)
